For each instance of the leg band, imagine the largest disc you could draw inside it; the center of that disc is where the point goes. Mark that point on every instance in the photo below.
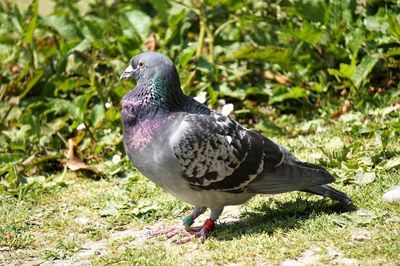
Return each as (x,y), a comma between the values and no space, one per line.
(188,220)
(209,225)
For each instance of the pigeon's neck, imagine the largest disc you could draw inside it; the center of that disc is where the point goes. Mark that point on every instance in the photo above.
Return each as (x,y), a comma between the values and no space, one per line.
(157,94)
(151,98)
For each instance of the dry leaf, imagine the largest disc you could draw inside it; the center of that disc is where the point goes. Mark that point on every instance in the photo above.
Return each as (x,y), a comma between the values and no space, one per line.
(74,163)
(282,79)
(151,42)
(29,160)
(392,195)
(345,108)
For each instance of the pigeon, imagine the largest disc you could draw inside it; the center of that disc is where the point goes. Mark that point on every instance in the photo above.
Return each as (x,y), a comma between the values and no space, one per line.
(201,156)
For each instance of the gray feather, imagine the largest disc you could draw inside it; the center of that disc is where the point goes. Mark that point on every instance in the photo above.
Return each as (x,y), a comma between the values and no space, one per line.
(290,177)
(328,191)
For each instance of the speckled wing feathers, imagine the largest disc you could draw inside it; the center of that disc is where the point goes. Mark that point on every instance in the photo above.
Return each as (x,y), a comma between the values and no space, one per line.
(216,153)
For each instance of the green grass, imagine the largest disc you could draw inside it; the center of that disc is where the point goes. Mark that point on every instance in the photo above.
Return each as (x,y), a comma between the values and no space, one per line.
(288,67)
(108,215)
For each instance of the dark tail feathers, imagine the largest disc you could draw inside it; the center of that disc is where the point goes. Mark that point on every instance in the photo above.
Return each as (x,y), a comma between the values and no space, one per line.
(330,192)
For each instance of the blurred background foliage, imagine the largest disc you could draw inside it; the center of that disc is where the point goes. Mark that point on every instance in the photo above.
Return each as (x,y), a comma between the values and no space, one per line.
(278,62)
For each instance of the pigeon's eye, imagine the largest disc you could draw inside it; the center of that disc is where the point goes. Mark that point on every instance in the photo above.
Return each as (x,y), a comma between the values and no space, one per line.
(141,65)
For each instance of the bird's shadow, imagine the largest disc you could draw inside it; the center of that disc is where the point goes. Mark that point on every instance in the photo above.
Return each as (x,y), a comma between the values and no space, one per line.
(284,216)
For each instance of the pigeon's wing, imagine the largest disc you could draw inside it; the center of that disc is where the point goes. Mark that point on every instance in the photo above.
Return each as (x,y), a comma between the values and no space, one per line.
(217,153)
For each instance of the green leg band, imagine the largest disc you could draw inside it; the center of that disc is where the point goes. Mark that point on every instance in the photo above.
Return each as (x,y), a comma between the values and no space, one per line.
(188,221)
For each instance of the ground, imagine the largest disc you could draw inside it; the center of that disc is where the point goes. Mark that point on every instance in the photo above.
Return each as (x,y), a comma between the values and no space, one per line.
(105,222)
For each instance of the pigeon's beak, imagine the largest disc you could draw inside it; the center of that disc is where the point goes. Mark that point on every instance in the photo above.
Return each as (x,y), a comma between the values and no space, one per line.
(128,73)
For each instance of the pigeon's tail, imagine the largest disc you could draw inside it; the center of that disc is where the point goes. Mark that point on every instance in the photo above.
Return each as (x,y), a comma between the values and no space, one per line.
(290,176)
(330,192)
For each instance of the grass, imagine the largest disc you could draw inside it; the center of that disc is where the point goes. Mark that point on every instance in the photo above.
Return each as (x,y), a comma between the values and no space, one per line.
(312,60)
(109,218)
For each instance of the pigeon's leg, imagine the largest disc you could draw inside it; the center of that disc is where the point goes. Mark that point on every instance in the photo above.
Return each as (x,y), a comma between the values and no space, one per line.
(207,228)
(209,224)
(189,220)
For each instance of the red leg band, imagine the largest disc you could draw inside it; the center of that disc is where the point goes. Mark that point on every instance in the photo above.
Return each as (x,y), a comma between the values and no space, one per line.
(209,225)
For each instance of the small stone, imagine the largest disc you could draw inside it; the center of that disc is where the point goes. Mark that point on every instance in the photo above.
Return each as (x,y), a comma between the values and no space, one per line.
(360,236)
(82,220)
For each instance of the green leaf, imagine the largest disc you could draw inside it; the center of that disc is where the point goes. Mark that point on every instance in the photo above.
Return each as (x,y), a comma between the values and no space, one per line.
(140,22)
(11,157)
(345,71)
(177,14)
(378,24)
(271,54)
(312,10)
(293,93)
(79,106)
(363,69)
(31,83)
(307,33)
(340,11)
(236,93)
(162,7)
(18,137)
(187,53)
(61,25)
(97,115)
(394,26)
(28,34)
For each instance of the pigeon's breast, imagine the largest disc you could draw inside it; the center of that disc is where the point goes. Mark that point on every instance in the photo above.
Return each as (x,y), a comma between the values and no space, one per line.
(136,138)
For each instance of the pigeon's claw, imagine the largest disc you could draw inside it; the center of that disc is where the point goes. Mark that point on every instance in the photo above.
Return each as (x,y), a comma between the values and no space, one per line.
(168,231)
(202,233)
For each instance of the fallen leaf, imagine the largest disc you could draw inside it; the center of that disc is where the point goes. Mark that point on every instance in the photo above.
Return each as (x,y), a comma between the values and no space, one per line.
(151,42)
(345,108)
(363,178)
(74,163)
(282,79)
(29,160)
(392,163)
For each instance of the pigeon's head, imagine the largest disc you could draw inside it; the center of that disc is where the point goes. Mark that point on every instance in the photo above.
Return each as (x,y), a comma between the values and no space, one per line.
(151,65)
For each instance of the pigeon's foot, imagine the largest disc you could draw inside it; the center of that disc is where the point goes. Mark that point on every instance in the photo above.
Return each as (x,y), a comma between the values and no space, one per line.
(202,233)
(168,231)
(179,234)
(185,233)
